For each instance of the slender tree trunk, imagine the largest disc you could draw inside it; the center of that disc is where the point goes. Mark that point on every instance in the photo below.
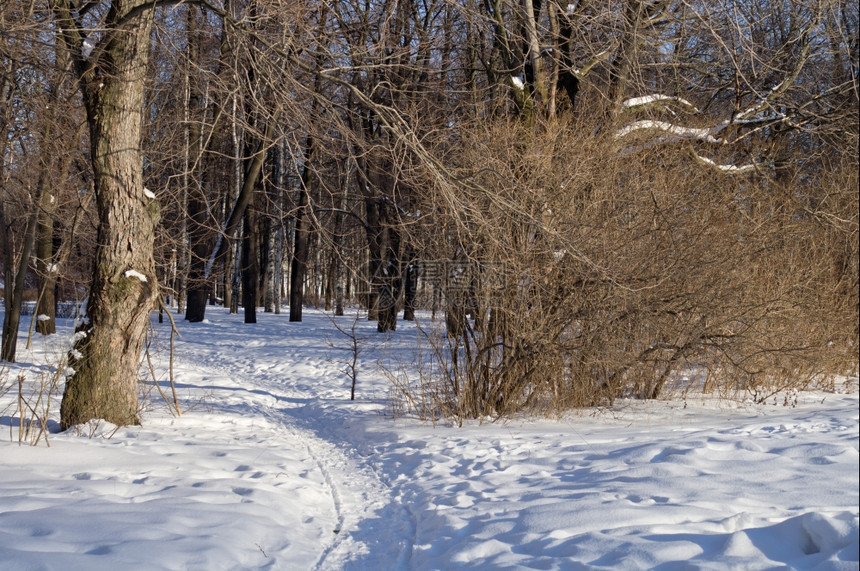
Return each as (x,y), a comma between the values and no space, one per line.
(338,250)
(374,266)
(47,243)
(15,295)
(619,73)
(250,266)
(538,77)
(301,239)
(46,268)
(280,230)
(15,289)
(199,238)
(235,275)
(300,256)
(264,250)
(330,279)
(317,277)
(410,288)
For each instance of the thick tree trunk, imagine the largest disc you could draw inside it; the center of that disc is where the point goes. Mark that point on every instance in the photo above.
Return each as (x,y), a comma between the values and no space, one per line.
(201,244)
(106,356)
(389,297)
(384,267)
(201,290)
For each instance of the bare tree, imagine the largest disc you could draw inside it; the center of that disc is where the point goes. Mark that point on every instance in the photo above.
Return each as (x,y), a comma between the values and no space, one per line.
(110,52)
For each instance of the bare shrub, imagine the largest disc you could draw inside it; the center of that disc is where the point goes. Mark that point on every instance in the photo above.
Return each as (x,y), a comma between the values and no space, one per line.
(593,276)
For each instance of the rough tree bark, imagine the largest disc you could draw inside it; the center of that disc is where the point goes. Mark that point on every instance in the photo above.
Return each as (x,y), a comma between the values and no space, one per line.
(106,355)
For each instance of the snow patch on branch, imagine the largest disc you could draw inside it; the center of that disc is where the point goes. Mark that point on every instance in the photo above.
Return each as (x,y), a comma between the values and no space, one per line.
(135,274)
(656,98)
(87,47)
(729,169)
(518,83)
(148,193)
(676,131)
(758,107)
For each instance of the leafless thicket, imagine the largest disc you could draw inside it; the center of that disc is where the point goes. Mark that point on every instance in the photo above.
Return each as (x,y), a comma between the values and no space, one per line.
(590,278)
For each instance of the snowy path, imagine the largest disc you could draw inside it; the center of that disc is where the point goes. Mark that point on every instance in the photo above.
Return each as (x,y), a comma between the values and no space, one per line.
(652,483)
(292,380)
(273,467)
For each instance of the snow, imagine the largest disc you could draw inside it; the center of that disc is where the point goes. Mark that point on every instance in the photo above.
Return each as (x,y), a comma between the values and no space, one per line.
(677,131)
(657,97)
(726,168)
(148,193)
(135,274)
(271,466)
(87,47)
(518,82)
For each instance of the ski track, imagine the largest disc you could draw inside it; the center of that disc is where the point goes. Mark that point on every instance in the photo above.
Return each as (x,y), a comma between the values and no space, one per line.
(355,488)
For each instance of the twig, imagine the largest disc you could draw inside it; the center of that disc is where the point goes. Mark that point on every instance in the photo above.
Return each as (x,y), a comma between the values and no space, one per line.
(173,333)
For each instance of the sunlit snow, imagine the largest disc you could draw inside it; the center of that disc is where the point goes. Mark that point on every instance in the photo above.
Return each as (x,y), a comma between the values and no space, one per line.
(135,274)
(634,102)
(271,466)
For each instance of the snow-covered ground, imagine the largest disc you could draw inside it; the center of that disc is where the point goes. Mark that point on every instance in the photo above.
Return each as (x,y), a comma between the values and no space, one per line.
(271,466)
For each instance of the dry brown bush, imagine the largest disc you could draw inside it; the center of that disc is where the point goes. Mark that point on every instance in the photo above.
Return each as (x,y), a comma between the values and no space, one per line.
(597,276)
